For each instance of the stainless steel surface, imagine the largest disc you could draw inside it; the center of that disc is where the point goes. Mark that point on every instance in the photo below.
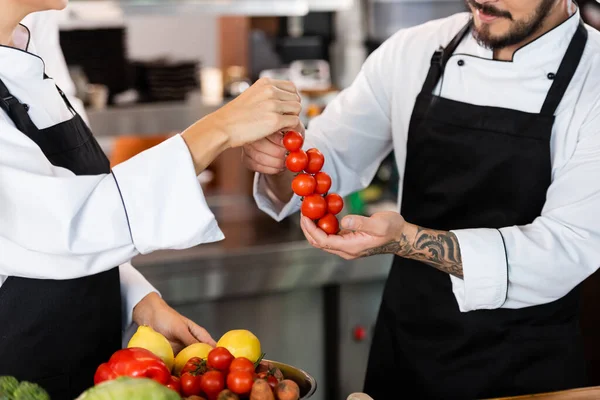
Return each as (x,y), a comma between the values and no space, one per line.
(148,119)
(306,383)
(258,256)
(289,325)
(359,305)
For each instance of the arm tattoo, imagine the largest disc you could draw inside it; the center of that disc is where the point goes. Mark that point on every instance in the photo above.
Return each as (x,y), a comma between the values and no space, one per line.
(439,249)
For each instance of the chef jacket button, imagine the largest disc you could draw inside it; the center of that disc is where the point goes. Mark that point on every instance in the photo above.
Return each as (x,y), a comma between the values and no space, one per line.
(26,107)
(551,76)
(461,63)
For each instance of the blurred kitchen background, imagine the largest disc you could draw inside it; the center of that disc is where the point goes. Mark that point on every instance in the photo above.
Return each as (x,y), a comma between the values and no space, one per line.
(149,68)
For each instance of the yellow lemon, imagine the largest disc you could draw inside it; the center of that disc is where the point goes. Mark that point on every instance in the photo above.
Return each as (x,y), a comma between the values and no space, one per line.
(241,343)
(147,338)
(194,350)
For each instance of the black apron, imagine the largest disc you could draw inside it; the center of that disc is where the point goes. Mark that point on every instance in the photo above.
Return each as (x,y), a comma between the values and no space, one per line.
(471,166)
(56,332)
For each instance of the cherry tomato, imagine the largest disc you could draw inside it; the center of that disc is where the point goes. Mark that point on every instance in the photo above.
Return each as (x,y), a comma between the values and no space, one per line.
(304,185)
(296,161)
(314,206)
(335,203)
(315,161)
(220,359)
(174,384)
(212,383)
(242,364)
(195,364)
(323,182)
(240,382)
(293,141)
(329,224)
(191,384)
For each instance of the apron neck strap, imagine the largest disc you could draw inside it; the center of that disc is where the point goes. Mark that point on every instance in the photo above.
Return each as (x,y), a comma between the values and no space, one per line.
(440,59)
(17,111)
(565,73)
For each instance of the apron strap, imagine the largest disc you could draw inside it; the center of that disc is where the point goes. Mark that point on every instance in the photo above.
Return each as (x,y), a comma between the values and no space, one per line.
(440,59)
(566,71)
(17,111)
(64,96)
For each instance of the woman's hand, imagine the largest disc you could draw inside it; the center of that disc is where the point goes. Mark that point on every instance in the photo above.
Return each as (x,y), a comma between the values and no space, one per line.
(153,311)
(267,107)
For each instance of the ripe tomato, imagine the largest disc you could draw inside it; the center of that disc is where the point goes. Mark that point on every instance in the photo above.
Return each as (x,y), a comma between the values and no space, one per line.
(335,203)
(314,206)
(194,364)
(329,224)
(240,382)
(293,141)
(174,384)
(220,359)
(296,161)
(304,185)
(323,182)
(242,364)
(191,384)
(315,161)
(212,383)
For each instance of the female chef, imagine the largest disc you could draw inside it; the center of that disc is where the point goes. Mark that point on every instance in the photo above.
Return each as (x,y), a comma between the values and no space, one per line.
(68,221)
(494,118)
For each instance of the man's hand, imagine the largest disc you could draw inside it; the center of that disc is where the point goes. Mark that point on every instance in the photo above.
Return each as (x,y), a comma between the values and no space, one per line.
(153,311)
(388,233)
(267,156)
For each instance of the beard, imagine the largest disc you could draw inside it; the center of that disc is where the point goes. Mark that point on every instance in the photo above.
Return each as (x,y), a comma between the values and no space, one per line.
(519,31)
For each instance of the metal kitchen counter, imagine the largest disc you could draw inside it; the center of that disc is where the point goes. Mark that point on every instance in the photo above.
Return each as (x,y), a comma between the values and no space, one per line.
(258,256)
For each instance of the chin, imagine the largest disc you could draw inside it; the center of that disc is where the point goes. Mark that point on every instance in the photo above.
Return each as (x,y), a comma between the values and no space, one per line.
(56,4)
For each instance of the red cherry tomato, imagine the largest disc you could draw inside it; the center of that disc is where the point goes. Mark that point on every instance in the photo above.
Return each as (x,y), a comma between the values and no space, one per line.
(329,224)
(174,384)
(335,203)
(315,161)
(296,161)
(314,206)
(242,364)
(191,384)
(220,359)
(212,383)
(304,185)
(240,382)
(293,141)
(194,364)
(323,182)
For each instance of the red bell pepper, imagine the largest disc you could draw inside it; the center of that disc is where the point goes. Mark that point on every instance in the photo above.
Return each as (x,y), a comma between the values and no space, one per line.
(135,363)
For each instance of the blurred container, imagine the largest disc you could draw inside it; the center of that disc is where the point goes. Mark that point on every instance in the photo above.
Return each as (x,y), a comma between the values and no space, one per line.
(236,81)
(126,147)
(166,80)
(211,82)
(97,96)
(386,17)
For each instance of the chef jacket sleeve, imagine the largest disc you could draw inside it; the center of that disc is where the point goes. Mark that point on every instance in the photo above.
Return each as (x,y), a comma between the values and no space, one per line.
(134,287)
(353,133)
(60,226)
(521,266)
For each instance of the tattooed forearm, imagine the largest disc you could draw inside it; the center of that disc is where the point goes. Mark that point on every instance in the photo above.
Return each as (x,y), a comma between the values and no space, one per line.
(439,249)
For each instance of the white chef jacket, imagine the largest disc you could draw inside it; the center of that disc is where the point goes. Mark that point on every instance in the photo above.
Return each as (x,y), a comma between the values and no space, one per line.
(516,266)
(55,225)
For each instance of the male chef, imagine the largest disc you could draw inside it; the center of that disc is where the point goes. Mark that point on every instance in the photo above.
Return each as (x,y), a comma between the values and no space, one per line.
(494,118)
